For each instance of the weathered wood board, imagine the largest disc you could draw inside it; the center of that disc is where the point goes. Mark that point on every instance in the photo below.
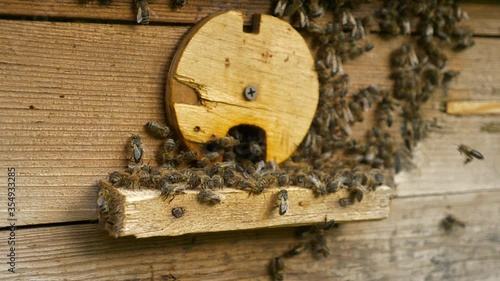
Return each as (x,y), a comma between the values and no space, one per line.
(409,245)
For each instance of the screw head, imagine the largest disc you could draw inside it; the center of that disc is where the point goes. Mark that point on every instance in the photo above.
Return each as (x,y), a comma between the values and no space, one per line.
(250,93)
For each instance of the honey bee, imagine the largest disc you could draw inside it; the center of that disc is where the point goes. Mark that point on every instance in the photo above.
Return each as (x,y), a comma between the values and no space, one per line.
(283,179)
(279,10)
(212,156)
(137,149)
(262,183)
(177,212)
(344,201)
(315,9)
(158,130)
(102,203)
(209,197)
(169,189)
(277,269)
(203,162)
(218,181)
(283,201)
(144,12)
(469,153)
(319,248)
(194,180)
(228,142)
(124,179)
(180,3)
(316,185)
(255,148)
(234,181)
(449,223)
(300,248)
(189,155)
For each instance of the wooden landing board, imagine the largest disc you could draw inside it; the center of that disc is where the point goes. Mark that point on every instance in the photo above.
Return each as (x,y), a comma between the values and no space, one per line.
(146,214)
(409,245)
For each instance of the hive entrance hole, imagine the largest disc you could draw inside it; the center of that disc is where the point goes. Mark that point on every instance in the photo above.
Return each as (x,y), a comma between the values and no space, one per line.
(252,143)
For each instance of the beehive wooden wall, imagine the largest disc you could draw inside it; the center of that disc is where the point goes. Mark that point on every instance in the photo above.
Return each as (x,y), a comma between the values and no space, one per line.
(76,79)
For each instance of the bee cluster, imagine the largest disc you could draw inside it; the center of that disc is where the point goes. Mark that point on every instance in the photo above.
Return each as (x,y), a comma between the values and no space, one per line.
(182,169)
(418,68)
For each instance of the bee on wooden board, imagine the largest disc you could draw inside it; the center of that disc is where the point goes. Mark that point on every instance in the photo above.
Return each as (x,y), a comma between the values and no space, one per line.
(228,142)
(210,197)
(144,12)
(158,130)
(137,149)
(469,153)
(277,269)
(282,201)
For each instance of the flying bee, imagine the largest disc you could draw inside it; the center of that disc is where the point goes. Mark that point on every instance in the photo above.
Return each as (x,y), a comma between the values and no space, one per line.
(277,269)
(228,142)
(144,12)
(469,153)
(137,149)
(209,197)
(158,130)
(283,201)
(180,3)
(300,248)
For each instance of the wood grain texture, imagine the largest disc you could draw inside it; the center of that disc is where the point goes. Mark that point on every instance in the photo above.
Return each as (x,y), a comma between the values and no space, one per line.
(147,214)
(409,245)
(483,16)
(218,60)
(92,86)
(472,107)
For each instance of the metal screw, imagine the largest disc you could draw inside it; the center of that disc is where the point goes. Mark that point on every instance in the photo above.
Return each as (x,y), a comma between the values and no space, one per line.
(250,93)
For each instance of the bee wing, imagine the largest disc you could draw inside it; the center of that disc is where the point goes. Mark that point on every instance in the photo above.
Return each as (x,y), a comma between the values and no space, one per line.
(139,15)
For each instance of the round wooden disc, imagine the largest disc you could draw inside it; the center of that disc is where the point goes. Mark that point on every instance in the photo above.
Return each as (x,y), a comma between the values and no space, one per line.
(218,59)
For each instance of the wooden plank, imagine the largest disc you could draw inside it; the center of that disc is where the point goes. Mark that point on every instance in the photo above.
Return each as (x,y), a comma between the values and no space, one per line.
(409,245)
(483,16)
(93,85)
(472,107)
(124,10)
(147,214)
